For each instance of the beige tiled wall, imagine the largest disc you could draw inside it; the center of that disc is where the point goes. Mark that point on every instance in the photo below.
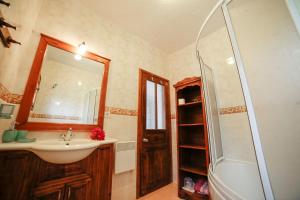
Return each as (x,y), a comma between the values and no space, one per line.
(276,104)
(73,23)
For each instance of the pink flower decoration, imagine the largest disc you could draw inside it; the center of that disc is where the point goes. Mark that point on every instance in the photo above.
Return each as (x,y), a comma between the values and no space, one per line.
(97,134)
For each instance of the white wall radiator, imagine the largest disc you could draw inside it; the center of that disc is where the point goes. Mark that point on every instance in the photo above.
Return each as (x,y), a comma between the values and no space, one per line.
(125,156)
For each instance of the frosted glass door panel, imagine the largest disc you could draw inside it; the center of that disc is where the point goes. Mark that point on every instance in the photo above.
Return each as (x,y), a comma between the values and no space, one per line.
(150,105)
(161,110)
(213,114)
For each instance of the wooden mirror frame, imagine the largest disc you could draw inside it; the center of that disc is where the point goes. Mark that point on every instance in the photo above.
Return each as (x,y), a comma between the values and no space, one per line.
(24,111)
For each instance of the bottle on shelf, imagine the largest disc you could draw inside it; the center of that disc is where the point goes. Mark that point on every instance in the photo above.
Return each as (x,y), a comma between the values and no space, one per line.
(4,23)
(4,3)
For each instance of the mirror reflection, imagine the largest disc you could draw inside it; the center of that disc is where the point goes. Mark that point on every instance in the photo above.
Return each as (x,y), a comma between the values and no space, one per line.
(68,89)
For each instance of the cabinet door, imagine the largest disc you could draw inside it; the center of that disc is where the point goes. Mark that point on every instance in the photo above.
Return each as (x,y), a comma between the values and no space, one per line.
(49,192)
(100,166)
(16,174)
(78,190)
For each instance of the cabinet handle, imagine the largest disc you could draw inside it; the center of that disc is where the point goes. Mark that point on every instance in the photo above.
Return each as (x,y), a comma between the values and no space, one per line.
(69,192)
(59,195)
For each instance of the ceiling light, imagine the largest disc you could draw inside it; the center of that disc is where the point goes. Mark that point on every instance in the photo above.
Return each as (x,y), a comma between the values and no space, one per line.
(77,57)
(230,60)
(79,83)
(57,103)
(81,48)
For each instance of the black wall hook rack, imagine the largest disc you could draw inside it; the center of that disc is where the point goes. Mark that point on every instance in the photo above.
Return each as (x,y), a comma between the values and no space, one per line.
(5,36)
(5,3)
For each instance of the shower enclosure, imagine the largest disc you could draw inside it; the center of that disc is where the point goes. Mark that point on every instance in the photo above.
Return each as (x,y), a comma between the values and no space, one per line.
(241,51)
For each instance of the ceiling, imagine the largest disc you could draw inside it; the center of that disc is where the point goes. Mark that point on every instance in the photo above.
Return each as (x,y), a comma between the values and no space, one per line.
(167,24)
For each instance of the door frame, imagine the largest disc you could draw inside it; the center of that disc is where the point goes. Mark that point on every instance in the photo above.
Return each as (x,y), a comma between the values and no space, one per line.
(140,127)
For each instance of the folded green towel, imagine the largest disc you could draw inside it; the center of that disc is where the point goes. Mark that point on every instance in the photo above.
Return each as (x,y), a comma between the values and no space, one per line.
(9,136)
(21,134)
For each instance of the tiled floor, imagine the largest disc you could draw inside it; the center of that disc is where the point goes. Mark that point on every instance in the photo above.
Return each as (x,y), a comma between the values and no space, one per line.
(168,192)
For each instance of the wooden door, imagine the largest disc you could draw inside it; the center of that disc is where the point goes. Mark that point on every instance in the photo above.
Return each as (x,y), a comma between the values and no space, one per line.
(154,167)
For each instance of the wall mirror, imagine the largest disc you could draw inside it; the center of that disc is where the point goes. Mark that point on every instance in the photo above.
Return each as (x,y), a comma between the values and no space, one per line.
(64,89)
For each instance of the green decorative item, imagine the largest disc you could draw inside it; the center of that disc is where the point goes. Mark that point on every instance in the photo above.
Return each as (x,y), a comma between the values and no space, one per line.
(12,135)
(26,140)
(21,135)
(9,136)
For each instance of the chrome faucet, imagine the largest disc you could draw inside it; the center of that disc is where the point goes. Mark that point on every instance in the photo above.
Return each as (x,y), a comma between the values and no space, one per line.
(68,135)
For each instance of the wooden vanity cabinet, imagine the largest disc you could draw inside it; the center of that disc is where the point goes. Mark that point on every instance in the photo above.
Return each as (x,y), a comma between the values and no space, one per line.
(16,174)
(49,192)
(24,176)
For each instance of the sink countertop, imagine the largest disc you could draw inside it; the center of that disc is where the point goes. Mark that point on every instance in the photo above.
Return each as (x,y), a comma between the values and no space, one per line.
(39,142)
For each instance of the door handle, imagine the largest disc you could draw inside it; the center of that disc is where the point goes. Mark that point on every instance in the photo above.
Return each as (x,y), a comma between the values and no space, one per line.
(145,140)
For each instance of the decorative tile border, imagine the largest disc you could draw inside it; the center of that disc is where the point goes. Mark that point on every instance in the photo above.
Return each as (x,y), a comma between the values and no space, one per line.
(9,97)
(121,111)
(129,112)
(226,110)
(48,116)
(232,110)
(173,116)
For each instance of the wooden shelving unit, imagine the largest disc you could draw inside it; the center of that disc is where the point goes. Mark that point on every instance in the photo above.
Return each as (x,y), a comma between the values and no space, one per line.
(192,139)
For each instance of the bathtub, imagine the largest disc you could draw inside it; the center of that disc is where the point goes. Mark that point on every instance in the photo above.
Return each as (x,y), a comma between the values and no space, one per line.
(235,180)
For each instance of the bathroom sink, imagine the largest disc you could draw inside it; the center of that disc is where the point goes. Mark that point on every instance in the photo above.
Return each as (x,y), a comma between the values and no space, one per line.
(60,144)
(63,152)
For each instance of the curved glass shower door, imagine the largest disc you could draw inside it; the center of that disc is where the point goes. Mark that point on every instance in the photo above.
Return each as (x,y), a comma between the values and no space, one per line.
(269,45)
(234,169)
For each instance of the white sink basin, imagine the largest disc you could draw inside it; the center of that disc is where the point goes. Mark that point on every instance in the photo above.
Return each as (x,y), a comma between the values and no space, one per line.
(63,152)
(58,151)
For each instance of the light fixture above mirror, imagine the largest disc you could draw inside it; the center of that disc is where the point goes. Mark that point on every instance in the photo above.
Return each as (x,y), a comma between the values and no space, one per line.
(81,48)
(80,51)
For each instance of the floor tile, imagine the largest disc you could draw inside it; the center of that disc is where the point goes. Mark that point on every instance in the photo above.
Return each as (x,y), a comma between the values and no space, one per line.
(168,192)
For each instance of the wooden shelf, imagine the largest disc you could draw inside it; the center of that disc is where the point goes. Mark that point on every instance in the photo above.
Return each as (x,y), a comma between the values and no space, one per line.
(192,144)
(183,194)
(195,124)
(192,147)
(190,104)
(198,171)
